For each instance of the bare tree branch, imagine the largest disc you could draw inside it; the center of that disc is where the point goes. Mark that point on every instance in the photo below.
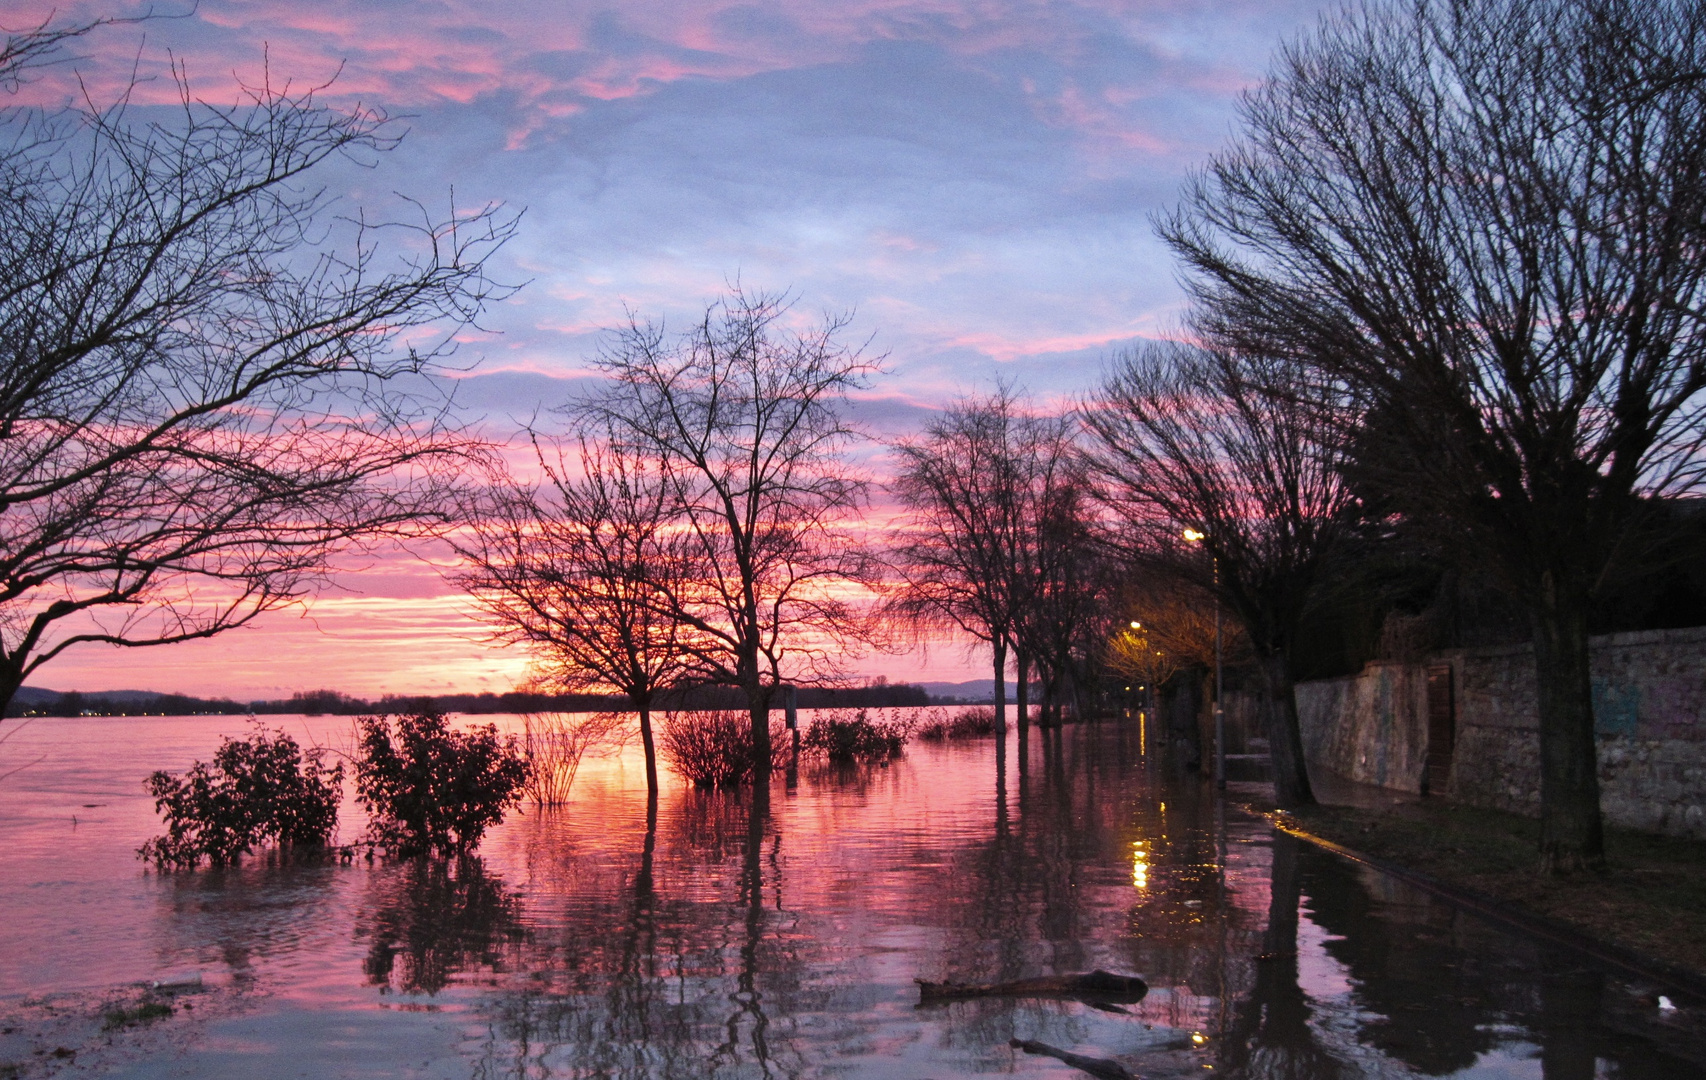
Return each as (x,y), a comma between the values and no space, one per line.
(211,380)
(745,419)
(1484,218)
(1233,448)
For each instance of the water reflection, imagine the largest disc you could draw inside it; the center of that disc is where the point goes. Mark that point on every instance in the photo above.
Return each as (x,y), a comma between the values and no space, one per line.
(678,985)
(742,954)
(425,920)
(1442,991)
(239,917)
(719,934)
(1270,1034)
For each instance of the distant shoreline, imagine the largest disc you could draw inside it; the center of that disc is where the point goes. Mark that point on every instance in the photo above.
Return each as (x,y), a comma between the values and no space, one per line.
(41,702)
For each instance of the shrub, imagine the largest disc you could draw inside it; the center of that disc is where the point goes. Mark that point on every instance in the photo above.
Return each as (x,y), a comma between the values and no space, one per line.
(713,748)
(259,789)
(428,789)
(555,743)
(853,738)
(966,724)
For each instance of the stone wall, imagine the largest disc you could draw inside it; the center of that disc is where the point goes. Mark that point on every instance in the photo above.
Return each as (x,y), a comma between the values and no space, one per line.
(1649,707)
(1371,728)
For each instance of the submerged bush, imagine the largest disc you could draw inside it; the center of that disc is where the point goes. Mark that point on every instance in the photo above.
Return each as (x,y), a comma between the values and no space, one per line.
(713,748)
(856,738)
(263,789)
(967,724)
(554,745)
(428,789)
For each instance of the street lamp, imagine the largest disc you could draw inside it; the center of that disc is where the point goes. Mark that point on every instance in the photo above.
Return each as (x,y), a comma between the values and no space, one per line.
(1192,536)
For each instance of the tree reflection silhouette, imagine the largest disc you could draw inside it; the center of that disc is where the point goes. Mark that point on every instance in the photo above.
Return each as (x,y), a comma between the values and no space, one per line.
(1434,1015)
(1437,988)
(1270,1036)
(674,953)
(663,987)
(239,915)
(428,919)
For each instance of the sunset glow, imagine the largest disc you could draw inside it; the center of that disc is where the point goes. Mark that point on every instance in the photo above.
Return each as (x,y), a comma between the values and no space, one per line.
(975,182)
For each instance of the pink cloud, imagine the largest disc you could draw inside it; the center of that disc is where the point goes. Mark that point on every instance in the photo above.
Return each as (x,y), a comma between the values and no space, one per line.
(549,56)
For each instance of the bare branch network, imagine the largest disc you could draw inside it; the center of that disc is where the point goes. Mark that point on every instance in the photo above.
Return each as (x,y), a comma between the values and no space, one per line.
(212,376)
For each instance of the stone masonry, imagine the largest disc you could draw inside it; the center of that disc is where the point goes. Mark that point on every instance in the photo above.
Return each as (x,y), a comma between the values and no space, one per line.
(1649,709)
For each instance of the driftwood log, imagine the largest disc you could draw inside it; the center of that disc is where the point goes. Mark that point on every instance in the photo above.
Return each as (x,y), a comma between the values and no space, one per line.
(1094,986)
(1099,1067)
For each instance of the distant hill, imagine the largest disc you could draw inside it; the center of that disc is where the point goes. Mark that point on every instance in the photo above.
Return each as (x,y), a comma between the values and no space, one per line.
(40,701)
(976,691)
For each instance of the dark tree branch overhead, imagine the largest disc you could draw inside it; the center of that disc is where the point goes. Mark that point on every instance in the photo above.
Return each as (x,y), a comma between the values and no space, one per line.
(1485,220)
(206,387)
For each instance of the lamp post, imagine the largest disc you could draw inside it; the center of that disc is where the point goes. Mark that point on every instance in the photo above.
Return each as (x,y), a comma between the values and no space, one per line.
(1193,536)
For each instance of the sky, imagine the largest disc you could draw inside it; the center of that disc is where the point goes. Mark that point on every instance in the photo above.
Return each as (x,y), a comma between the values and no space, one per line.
(974,181)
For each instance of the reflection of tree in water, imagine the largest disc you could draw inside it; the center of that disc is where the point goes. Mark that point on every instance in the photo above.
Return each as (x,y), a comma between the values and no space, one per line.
(1429,1013)
(1050,890)
(236,915)
(1437,988)
(665,983)
(1270,1036)
(427,919)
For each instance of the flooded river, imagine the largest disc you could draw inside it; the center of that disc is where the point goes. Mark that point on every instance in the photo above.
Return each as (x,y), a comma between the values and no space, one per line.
(722,941)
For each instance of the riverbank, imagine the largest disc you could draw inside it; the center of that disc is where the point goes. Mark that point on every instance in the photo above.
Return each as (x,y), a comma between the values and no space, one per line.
(1650,901)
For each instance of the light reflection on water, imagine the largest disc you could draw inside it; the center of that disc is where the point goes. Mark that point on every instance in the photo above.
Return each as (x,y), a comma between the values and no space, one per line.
(724,939)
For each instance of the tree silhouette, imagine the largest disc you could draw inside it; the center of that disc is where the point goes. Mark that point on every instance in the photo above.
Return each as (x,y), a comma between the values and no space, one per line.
(1482,218)
(745,420)
(202,401)
(581,570)
(1228,446)
(966,558)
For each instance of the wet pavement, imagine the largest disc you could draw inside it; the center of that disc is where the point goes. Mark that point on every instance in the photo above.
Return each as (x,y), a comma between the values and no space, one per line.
(728,937)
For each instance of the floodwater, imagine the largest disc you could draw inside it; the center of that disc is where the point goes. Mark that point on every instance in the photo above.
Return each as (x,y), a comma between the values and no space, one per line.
(723,942)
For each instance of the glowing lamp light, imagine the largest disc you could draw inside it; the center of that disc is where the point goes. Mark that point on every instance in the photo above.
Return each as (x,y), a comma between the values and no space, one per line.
(1192,536)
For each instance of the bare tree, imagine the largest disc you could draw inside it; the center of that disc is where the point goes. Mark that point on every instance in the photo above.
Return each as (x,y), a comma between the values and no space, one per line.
(1068,577)
(201,397)
(40,46)
(1231,448)
(581,569)
(1484,218)
(746,419)
(965,561)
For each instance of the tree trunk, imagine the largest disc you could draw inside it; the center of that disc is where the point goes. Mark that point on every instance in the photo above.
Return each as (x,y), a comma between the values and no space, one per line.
(1000,649)
(1571,833)
(761,740)
(1023,695)
(1022,692)
(645,710)
(11,678)
(1285,737)
(1181,703)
